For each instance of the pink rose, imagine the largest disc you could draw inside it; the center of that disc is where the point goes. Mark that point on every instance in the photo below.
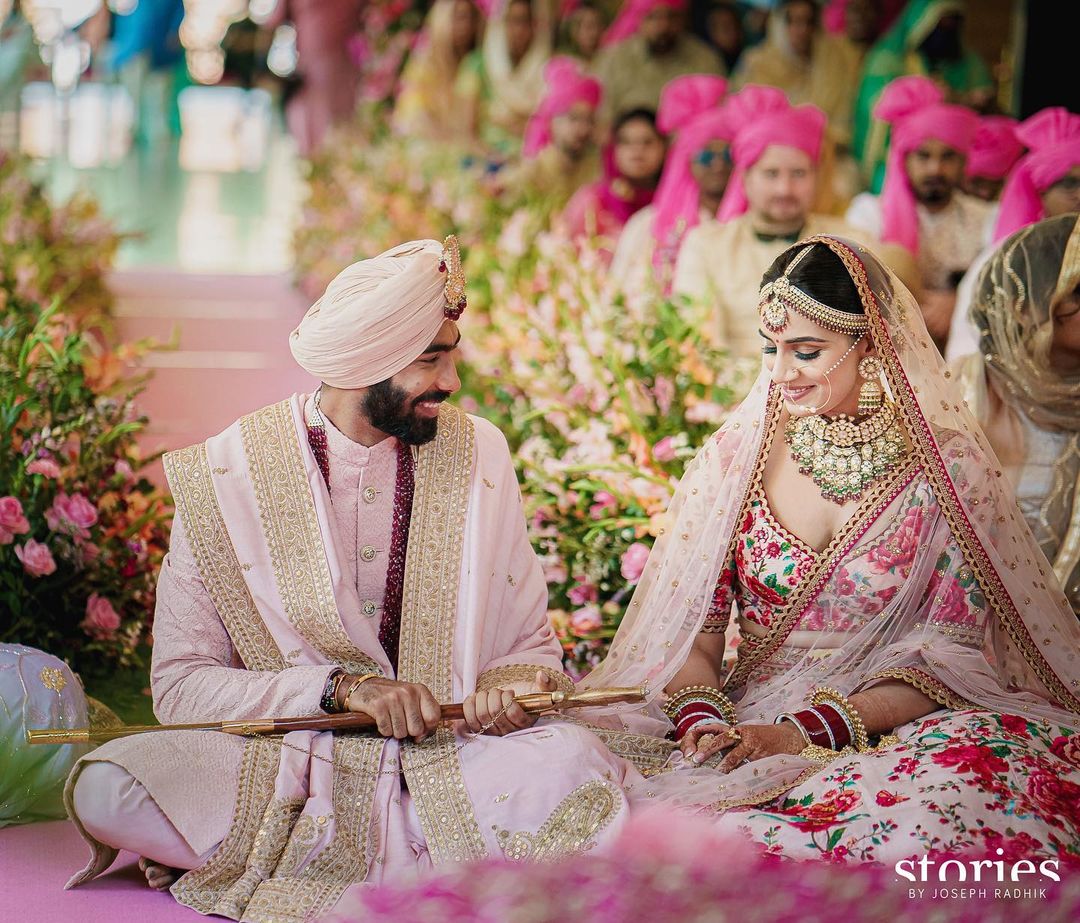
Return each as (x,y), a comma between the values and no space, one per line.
(44,466)
(1014,724)
(12,520)
(604,503)
(72,515)
(664,450)
(36,558)
(586,620)
(583,593)
(101,620)
(898,551)
(633,561)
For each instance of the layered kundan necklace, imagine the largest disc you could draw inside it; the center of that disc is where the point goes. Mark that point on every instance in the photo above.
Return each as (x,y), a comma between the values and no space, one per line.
(844,456)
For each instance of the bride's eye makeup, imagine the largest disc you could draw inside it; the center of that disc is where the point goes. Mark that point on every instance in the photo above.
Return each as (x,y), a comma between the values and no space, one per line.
(807,357)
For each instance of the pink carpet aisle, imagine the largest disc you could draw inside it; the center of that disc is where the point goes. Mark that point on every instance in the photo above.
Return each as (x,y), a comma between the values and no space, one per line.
(233,354)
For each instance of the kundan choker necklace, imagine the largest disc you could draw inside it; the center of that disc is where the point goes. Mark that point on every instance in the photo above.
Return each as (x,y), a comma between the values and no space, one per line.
(845,456)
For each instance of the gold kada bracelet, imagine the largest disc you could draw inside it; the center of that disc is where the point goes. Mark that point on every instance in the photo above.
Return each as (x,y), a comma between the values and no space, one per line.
(709,694)
(356,684)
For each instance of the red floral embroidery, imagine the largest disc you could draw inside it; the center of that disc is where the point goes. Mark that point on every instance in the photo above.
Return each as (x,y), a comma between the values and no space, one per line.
(1014,724)
(897,552)
(1056,796)
(825,813)
(1021,846)
(973,758)
(888,799)
(1067,748)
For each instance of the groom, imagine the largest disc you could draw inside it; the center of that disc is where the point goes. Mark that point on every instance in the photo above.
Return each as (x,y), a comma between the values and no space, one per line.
(361,549)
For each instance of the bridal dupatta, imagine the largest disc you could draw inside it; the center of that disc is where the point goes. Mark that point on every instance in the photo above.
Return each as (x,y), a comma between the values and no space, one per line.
(968,612)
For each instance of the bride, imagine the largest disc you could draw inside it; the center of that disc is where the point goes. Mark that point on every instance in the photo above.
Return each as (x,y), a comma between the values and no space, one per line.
(907,675)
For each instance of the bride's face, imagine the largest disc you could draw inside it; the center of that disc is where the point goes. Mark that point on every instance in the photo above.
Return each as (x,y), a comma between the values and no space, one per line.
(798,358)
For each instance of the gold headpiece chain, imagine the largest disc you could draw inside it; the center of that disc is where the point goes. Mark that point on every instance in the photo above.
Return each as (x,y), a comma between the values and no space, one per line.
(780,295)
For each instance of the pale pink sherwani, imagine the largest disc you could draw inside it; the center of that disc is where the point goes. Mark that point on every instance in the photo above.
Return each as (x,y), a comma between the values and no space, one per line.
(340,813)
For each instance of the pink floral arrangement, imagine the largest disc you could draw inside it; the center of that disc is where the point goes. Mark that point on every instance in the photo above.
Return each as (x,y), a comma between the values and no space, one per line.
(81,533)
(669,866)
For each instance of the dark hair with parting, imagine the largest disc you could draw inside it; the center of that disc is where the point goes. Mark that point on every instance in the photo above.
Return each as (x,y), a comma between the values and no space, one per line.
(635,115)
(821,274)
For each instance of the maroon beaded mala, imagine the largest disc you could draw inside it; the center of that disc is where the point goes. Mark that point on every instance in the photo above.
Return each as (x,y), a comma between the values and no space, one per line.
(405,481)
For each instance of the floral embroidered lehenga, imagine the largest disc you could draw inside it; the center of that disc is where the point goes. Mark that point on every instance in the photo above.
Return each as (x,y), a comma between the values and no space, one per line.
(933,581)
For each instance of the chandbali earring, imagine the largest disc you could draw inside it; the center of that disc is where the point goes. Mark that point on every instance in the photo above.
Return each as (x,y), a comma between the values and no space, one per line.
(870,394)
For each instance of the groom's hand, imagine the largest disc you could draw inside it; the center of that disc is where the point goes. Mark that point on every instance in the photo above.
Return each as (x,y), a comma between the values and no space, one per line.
(400,709)
(482,709)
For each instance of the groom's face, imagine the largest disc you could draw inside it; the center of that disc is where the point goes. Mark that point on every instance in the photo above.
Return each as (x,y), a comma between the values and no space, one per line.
(407,405)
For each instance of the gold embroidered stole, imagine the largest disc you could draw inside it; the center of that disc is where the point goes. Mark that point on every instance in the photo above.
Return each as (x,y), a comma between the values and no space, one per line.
(428,619)
(255,873)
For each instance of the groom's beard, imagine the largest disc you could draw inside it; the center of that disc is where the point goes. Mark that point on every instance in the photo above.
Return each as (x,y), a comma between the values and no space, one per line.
(389,409)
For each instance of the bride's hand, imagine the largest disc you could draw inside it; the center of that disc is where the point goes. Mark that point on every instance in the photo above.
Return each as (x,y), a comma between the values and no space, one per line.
(748,742)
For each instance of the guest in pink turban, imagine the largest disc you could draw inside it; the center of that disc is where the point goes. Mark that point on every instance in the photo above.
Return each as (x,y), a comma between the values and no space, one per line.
(922,207)
(695,176)
(768,205)
(559,150)
(1046,181)
(765,120)
(994,150)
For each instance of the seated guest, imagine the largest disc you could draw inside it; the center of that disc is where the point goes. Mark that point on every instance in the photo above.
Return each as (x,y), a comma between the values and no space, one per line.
(517,45)
(807,63)
(921,207)
(907,685)
(1023,381)
(994,150)
(582,31)
(858,23)
(1044,183)
(632,164)
(440,86)
(724,31)
(926,40)
(696,173)
(559,150)
(645,49)
(767,205)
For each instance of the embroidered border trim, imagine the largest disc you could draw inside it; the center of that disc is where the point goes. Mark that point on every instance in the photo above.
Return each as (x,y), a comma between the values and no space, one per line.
(875,501)
(188,474)
(570,828)
(428,617)
(292,895)
(219,885)
(926,684)
(291,530)
(521,673)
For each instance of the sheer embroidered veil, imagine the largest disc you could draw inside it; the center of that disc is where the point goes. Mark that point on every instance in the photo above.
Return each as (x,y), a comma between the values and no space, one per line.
(978,617)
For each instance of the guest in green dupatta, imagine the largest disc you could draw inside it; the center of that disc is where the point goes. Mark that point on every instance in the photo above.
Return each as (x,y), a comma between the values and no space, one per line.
(925,40)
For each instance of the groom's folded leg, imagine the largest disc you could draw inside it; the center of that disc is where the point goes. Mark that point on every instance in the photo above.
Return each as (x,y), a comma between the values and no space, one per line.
(116,809)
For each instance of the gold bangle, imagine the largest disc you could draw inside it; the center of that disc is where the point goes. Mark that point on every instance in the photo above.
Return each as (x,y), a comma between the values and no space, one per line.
(860,738)
(708,694)
(357,683)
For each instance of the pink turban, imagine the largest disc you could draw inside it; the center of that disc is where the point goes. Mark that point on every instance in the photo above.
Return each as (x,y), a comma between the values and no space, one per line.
(631,15)
(567,86)
(995,147)
(684,98)
(375,318)
(678,198)
(762,117)
(1053,139)
(915,108)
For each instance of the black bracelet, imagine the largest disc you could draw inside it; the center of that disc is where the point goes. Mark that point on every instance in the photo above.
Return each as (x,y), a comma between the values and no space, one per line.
(327,703)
